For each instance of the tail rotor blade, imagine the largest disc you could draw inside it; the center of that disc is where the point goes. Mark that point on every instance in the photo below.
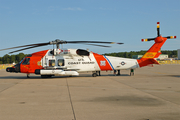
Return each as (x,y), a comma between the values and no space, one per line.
(149,39)
(158,31)
(170,37)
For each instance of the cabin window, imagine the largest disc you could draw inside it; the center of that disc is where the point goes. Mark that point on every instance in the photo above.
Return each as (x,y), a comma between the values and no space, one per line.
(51,63)
(61,62)
(26,61)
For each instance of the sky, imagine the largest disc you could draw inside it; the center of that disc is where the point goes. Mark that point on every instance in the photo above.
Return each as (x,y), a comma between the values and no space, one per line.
(128,21)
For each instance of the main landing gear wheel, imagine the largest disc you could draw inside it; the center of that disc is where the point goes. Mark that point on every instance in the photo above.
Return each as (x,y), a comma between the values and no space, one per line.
(94,74)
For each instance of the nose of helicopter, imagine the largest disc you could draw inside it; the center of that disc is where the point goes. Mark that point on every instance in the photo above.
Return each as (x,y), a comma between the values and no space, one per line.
(15,68)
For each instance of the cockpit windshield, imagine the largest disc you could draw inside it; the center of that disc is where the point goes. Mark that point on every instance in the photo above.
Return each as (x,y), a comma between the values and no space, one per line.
(26,61)
(21,61)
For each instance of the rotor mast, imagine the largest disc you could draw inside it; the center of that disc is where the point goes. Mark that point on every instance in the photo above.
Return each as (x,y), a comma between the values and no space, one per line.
(57,42)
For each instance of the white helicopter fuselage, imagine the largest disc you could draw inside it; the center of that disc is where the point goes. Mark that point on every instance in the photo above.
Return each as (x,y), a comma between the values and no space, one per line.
(72,62)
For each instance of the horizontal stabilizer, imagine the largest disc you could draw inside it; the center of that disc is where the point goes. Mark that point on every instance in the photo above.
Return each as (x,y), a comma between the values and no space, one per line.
(154,61)
(145,62)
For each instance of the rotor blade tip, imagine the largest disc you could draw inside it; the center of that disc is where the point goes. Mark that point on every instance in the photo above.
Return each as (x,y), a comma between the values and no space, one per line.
(172,37)
(144,40)
(120,43)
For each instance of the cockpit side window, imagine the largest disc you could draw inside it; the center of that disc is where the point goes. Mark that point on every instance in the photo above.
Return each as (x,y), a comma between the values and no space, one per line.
(26,61)
(51,63)
(61,62)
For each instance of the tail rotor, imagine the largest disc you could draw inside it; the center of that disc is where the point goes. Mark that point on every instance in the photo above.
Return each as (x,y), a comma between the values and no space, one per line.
(155,50)
(159,38)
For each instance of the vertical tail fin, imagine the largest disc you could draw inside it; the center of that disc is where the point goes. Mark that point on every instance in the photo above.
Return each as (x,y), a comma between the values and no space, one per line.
(154,51)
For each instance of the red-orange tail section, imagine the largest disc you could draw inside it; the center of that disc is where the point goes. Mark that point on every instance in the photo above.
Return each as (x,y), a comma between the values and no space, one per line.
(155,50)
(152,53)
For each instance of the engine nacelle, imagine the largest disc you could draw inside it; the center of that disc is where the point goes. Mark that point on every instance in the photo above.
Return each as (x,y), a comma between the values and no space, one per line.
(80,52)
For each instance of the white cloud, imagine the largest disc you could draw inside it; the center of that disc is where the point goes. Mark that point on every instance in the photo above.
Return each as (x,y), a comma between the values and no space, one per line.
(72,8)
(51,8)
(102,8)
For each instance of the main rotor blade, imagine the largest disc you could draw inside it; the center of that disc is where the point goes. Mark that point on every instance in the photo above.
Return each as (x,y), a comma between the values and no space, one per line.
(99,45)
(89,42)
(120,43)
(25,48)
(57,41)
(38,44)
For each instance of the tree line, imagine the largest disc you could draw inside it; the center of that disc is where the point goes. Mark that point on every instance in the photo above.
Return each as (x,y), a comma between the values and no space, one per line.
(170,53)
(8,59)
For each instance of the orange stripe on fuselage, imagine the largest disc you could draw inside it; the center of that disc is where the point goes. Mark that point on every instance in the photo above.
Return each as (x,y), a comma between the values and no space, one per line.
(102,62)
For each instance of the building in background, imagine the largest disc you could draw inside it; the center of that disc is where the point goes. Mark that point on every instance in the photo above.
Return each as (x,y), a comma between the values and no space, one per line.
(137,56)
(161,57)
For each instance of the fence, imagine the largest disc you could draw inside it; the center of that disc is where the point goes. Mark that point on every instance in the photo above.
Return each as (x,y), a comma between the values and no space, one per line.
(4,66)
(169,62)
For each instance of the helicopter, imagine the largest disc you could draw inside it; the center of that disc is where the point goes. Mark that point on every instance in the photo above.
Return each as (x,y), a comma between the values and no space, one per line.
(71,62)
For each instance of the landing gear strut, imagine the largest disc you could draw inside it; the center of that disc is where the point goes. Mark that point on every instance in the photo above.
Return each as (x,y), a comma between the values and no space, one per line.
(98,73)
(132,72)
(119,72)
(114,72)
(28,76)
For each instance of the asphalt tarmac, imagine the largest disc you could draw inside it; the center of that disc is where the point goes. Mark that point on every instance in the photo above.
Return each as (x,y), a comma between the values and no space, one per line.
(153,93)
